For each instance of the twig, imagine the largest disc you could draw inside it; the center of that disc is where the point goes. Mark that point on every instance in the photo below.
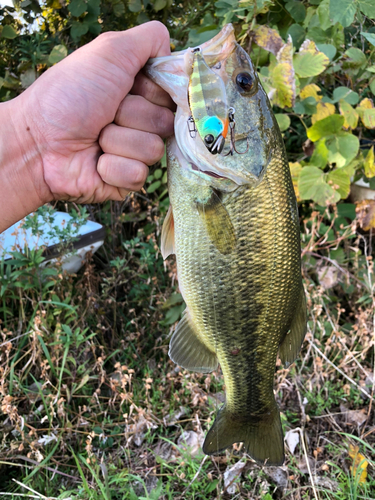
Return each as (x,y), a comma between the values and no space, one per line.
(15,338)
(195,477)
(34,462)
(340,371)
(39,495)
(344,271)
(22,495)
(307,461)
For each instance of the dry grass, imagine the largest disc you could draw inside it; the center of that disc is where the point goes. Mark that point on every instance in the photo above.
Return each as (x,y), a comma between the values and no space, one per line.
(92,407)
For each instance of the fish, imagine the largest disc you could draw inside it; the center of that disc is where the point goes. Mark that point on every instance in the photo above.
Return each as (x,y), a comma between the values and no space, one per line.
(234,228)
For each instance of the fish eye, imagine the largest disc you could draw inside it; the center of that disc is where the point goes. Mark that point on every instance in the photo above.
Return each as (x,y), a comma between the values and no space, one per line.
(245,81)
(209,139)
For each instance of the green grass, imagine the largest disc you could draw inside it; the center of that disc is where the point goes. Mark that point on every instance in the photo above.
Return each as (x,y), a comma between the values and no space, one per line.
(88,395)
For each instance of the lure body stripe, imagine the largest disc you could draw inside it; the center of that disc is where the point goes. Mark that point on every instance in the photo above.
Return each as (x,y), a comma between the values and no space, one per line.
(207,99)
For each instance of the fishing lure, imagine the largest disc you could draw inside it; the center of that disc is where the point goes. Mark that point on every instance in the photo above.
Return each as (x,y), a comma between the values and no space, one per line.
(210,117)
(207,101)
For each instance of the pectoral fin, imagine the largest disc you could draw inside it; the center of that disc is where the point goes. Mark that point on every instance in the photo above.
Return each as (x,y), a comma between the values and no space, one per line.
(187,349)
(167,234)
(292,342)
(218,224)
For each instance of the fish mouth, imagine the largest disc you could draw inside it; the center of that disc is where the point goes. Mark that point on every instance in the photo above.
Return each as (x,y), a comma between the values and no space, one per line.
(207,172)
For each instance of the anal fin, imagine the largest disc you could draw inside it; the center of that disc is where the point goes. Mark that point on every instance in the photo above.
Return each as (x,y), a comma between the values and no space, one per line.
(186,349)
(291,345)
(167,234)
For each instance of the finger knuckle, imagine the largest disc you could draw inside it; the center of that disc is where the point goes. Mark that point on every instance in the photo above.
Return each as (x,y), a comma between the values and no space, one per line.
(104,139)
(120,113)
(103,167)
(156,148)
(140,175)
(108,38)
(165,119)
(161,28)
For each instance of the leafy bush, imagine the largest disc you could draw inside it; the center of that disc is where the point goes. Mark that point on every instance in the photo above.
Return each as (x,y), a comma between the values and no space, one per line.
(316,60)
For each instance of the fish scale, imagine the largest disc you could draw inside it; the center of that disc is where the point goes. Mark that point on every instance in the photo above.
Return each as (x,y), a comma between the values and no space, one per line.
(245,300)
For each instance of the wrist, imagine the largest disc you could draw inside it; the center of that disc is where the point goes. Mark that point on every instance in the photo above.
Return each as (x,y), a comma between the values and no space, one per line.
(22,186)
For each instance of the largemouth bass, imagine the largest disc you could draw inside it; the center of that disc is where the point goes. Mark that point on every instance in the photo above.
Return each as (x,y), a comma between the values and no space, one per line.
(233,225)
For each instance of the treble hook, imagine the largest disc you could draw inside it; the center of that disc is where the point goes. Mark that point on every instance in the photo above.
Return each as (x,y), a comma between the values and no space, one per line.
(232,124)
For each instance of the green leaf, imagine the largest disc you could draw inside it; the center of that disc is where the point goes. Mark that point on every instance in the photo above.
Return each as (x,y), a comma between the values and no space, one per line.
(323,13)
(93,11)
(307,64)
(350,114)
(158,173)
(370,37)
(347,210)
(342,11)
(327,49)
(283,121)
(78,29)
(119,9)
(340,182)
(306,107)
(367,7)
(95,28)
(196,37)
(344,93)
(343,148)
(309,103)
(317,35)
(297,33)
(77,7)
(154,186)
(282,79)
(159,5)
(57,54)
(355,58)
(142,18)
(297,10)
(326,127)
(1,82)
(320,155)
(369,163)
(312,186)
(309,178)
(135,5)
(8,32)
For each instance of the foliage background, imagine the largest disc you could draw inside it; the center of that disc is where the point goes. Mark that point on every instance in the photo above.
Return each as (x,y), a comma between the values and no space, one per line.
(91,407)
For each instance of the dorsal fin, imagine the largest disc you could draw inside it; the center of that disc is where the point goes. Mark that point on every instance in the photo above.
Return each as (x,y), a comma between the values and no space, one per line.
(167,234)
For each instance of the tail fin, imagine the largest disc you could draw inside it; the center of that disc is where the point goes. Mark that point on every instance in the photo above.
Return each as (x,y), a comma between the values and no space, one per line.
(262,436)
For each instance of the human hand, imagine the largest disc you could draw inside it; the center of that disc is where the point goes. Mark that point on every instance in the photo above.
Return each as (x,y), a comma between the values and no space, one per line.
(90,125)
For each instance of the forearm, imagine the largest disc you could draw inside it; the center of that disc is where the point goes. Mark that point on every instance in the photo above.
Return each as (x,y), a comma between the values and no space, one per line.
(22,187)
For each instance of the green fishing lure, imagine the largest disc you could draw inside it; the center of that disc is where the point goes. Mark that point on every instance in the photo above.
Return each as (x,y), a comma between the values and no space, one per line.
(207,101)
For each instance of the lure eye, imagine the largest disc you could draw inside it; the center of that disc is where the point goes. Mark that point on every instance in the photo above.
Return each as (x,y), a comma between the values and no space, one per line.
(244,81)
(209,139)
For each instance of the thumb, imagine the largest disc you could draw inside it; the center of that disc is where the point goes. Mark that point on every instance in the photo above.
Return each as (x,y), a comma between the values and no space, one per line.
(130,50)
